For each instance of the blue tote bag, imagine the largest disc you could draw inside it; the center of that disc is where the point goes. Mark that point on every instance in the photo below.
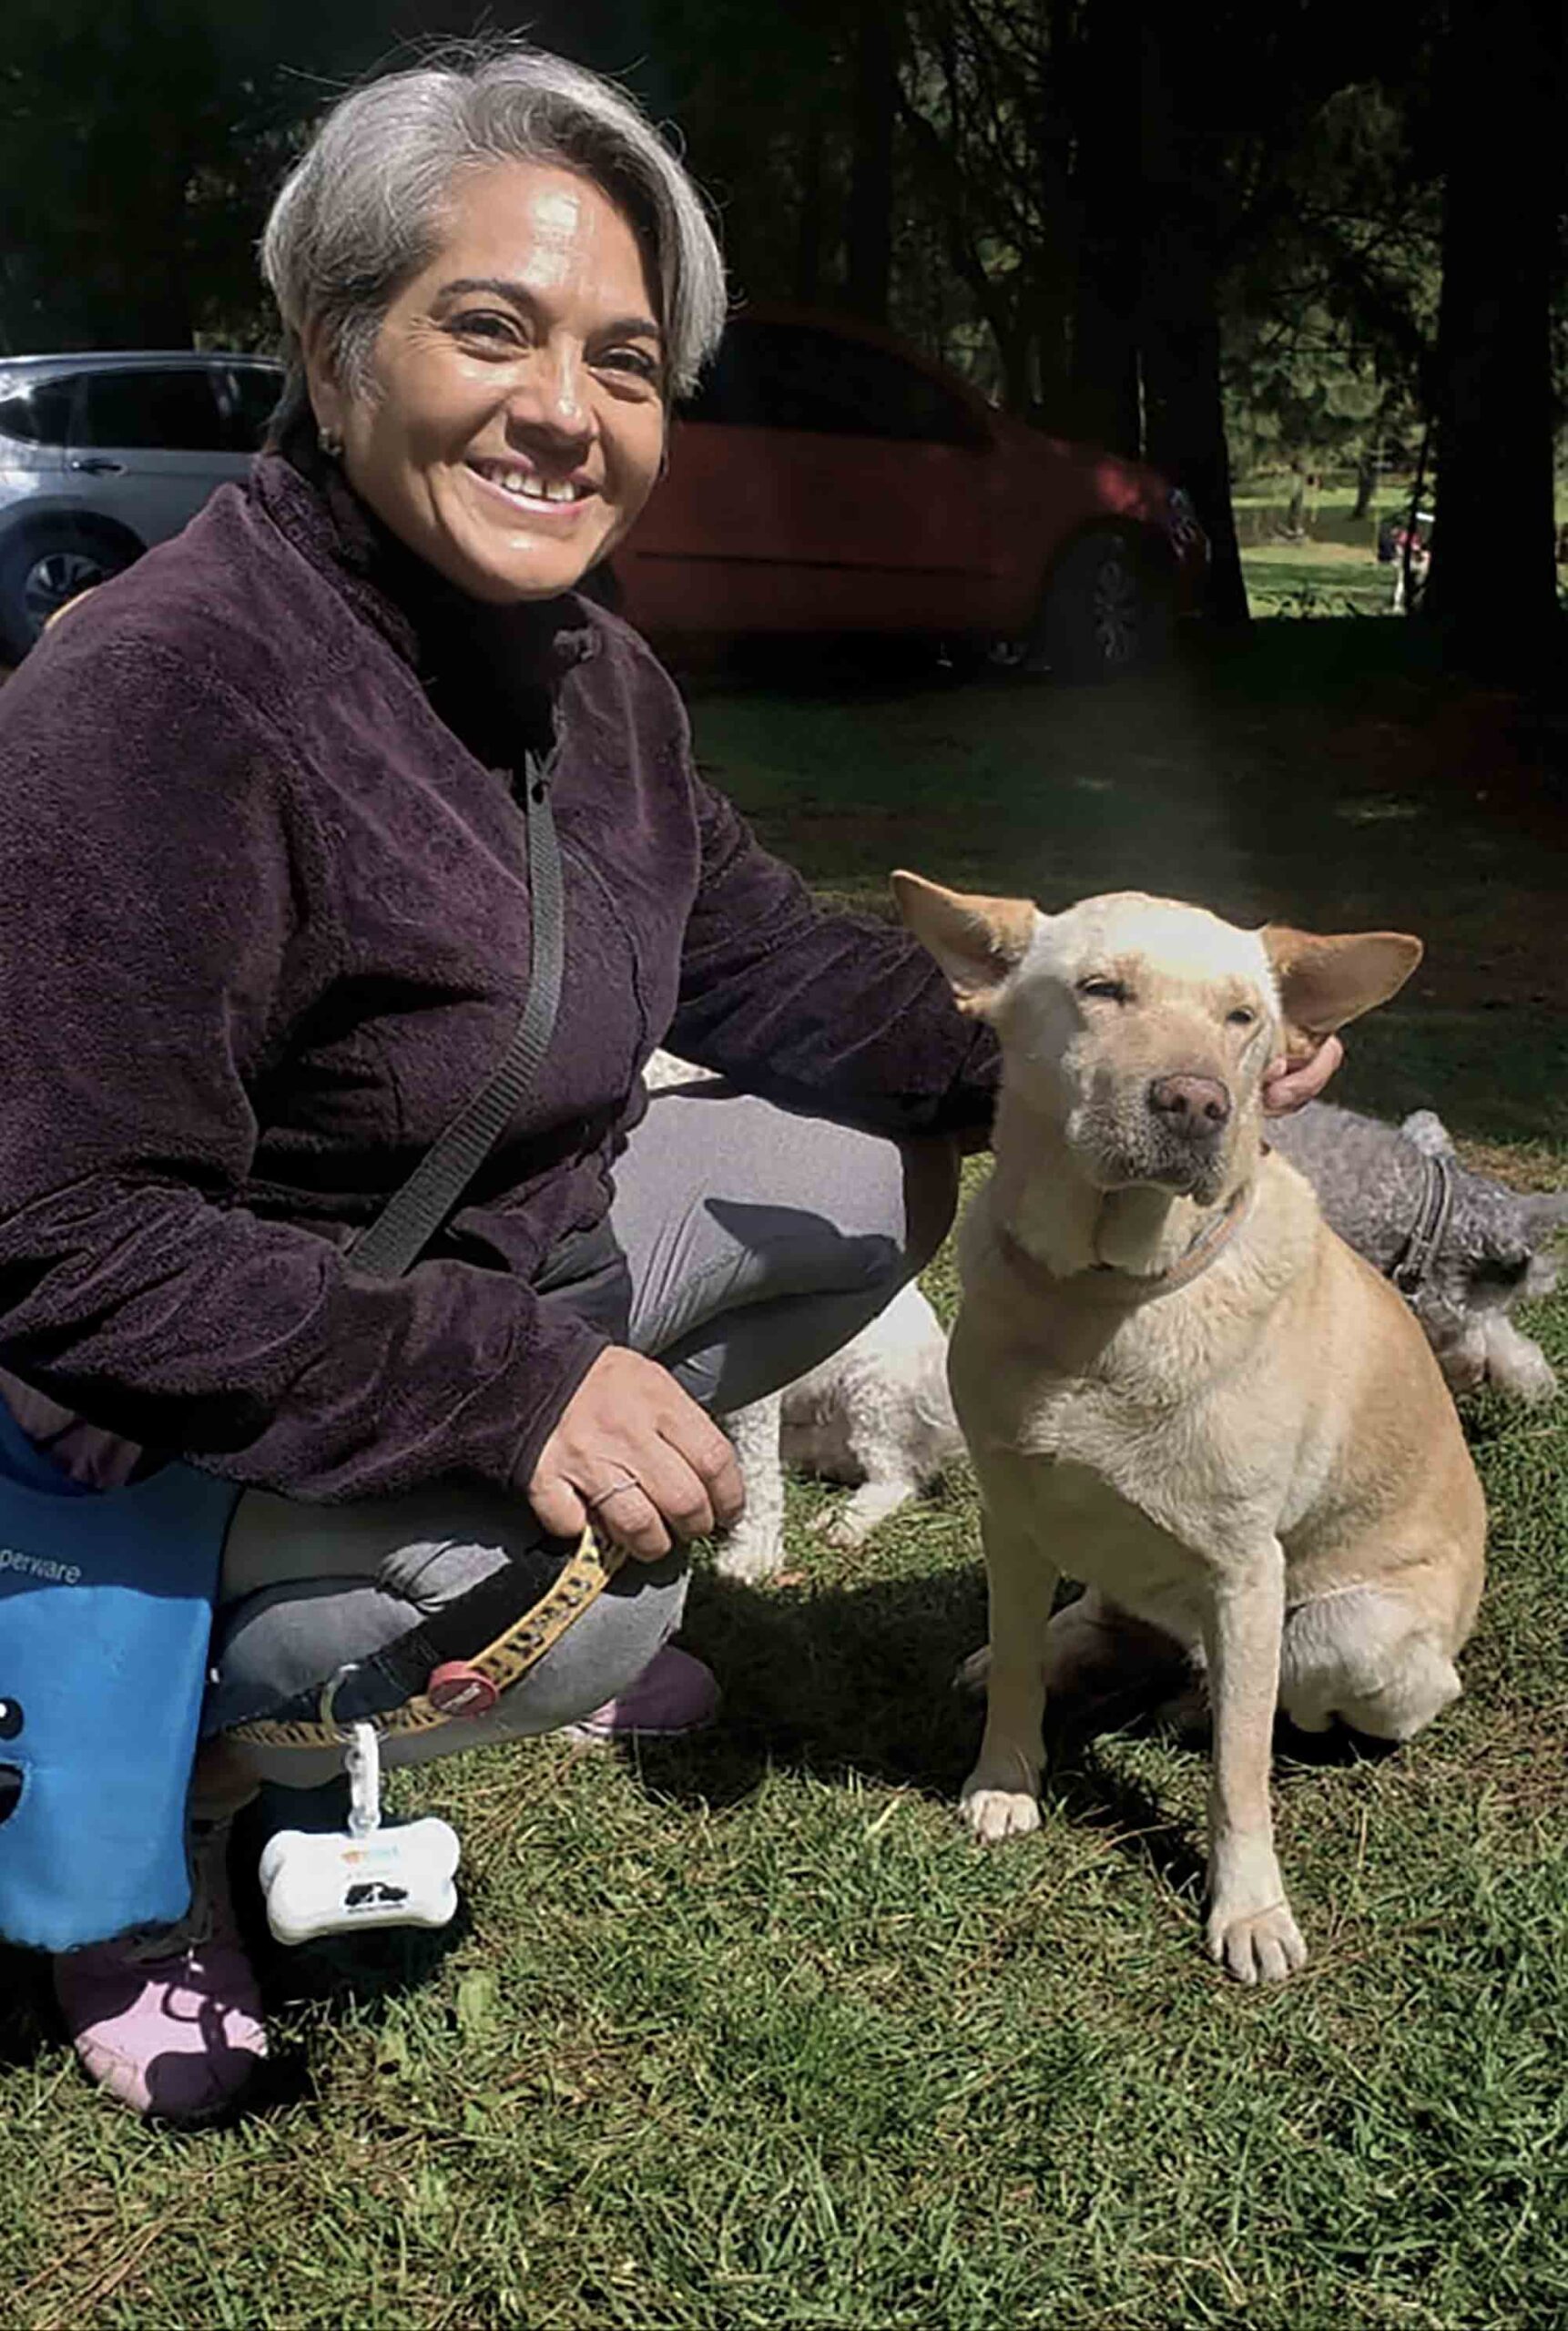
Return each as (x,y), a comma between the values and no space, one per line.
(105,1605)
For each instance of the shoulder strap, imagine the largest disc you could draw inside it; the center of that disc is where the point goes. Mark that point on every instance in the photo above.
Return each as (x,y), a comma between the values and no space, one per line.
(412,1215)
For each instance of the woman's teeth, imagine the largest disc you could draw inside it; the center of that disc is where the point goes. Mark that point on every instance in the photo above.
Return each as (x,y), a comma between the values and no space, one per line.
(529,488)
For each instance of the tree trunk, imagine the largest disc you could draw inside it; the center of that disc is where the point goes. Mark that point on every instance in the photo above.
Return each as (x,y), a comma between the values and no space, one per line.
(868,227)
(1366,469)
(1105,402)
(1491,591)
(809,223)
(1184,410)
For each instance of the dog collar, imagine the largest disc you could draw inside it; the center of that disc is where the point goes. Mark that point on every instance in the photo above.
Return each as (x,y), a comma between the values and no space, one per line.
(1429,1228)
(1103,1282)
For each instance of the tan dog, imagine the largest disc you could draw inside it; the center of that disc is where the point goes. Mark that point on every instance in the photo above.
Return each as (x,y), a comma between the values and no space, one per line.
(1176,1383)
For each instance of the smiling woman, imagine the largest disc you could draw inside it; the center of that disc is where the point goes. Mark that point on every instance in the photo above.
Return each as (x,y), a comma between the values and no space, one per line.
(329,807)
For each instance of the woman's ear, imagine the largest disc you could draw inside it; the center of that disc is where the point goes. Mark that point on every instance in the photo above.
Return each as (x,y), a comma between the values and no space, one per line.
(327,402)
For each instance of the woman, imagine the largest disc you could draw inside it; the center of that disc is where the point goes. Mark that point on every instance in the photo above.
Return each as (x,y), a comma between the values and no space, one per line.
(265,930)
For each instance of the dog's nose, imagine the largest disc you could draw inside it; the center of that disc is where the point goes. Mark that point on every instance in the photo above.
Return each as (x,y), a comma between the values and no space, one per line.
(1198,1104)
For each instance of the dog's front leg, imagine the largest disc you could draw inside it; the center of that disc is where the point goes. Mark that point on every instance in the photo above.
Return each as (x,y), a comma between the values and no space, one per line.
(754,1548)
(1250,1929)
(1001,1798)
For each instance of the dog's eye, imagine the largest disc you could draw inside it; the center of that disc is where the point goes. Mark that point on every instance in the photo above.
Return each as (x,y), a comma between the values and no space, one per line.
(1111,991)
(10,1719)
(1241,1017)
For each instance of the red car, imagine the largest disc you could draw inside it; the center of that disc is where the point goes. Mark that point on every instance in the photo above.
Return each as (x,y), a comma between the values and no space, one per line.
(827,478)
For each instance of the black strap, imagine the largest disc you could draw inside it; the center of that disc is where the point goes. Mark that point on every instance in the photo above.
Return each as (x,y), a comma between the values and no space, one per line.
(412,1215)
(1429,1228)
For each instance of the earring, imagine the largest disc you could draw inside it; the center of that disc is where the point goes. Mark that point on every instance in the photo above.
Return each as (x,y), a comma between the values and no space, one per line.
(331,444)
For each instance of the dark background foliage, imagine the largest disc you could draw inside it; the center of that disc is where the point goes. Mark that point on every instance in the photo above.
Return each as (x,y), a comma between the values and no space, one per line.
(1307,233)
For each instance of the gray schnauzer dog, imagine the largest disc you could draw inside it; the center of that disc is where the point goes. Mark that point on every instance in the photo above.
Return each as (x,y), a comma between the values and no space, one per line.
(1462,1248)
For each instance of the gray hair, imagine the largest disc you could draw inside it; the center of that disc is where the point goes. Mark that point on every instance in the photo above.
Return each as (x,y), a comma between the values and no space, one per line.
(366,206)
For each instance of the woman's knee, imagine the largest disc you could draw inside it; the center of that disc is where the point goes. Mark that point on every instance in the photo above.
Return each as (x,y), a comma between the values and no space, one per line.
(603,1651)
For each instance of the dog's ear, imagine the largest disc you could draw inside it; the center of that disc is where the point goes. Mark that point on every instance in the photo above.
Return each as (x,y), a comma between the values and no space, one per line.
(976,941)
(1426,1130)
(1327,980)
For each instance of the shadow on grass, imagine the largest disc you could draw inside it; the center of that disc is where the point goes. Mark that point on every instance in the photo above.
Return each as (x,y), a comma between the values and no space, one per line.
(27,2007)
(1324,773)
(367,1970)
(858,1683)
(840,1682)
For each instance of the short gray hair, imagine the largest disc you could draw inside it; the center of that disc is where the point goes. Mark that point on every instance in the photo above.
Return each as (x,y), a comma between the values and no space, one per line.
(365,206)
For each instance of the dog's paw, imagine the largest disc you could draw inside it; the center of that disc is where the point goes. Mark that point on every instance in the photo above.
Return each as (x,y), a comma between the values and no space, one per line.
(837,1529)
(849,1526)
(996,1813)
(750,1558)
(1256,1946)
(971,1675)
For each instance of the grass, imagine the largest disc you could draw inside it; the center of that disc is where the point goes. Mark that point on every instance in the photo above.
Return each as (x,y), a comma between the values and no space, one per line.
(745,2036)
(1334,570)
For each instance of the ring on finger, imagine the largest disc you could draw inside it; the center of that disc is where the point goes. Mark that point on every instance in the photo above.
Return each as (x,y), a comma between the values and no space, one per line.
(604,1496)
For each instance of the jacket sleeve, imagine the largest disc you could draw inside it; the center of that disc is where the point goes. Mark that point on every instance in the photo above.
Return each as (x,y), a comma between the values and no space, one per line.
(154,873)
(834,1011)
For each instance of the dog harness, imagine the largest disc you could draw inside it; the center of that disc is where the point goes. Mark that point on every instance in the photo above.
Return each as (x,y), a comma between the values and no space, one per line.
(1414,1260)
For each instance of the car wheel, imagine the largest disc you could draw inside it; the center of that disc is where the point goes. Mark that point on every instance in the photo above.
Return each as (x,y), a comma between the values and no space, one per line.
(44,570)
(1104,613)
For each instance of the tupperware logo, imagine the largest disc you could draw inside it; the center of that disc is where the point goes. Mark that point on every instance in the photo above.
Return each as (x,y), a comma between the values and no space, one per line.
(39,1567)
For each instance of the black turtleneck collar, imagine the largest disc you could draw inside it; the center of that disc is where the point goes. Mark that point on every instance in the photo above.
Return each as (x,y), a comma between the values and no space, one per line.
(489,670)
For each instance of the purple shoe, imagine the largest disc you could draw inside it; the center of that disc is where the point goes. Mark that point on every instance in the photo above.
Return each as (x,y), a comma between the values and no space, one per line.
(169,2022)
(675,1695)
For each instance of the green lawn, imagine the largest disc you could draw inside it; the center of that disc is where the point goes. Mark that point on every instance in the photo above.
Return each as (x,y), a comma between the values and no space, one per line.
(1334,571)
(748,2035)
(1316,578)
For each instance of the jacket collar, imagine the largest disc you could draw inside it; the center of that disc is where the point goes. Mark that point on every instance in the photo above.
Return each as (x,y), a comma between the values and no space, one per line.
(424,618)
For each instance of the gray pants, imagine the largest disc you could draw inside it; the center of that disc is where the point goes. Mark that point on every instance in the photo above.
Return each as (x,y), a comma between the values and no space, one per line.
(758,1241)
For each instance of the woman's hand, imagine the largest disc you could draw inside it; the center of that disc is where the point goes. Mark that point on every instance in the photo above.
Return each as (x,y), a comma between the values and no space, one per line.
(636,1457)
(1287,1086)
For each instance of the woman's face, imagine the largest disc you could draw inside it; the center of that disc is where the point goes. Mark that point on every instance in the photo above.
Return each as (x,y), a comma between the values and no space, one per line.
(515,420)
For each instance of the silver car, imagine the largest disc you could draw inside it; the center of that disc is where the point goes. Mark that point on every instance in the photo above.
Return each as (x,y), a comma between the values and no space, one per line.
(102,455)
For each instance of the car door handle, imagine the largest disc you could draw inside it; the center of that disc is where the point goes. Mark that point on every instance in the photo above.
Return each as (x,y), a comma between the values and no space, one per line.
(97,465)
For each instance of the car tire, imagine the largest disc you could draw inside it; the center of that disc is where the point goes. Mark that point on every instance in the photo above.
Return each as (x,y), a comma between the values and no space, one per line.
(1106,611)
(44,567)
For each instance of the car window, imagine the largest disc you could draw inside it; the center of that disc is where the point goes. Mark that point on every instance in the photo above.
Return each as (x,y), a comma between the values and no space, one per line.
(804,376)
(248,394)
(38,413)
(172,412)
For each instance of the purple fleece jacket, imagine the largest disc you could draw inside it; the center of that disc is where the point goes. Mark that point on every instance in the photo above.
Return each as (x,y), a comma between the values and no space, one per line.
(263,931)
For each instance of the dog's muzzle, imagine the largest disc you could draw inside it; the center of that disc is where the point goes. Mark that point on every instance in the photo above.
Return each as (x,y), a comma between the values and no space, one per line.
(1193,1108)
(1187,1118)
(1169,1133)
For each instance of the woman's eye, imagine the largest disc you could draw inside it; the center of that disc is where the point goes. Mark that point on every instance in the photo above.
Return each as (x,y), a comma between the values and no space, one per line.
(634,360)
(484,324)
(1111,991)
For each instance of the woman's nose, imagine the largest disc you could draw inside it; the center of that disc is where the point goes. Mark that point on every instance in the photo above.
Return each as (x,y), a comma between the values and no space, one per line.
(553,394)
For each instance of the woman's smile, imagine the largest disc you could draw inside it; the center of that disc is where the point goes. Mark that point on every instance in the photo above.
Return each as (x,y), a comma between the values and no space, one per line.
(557,498)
